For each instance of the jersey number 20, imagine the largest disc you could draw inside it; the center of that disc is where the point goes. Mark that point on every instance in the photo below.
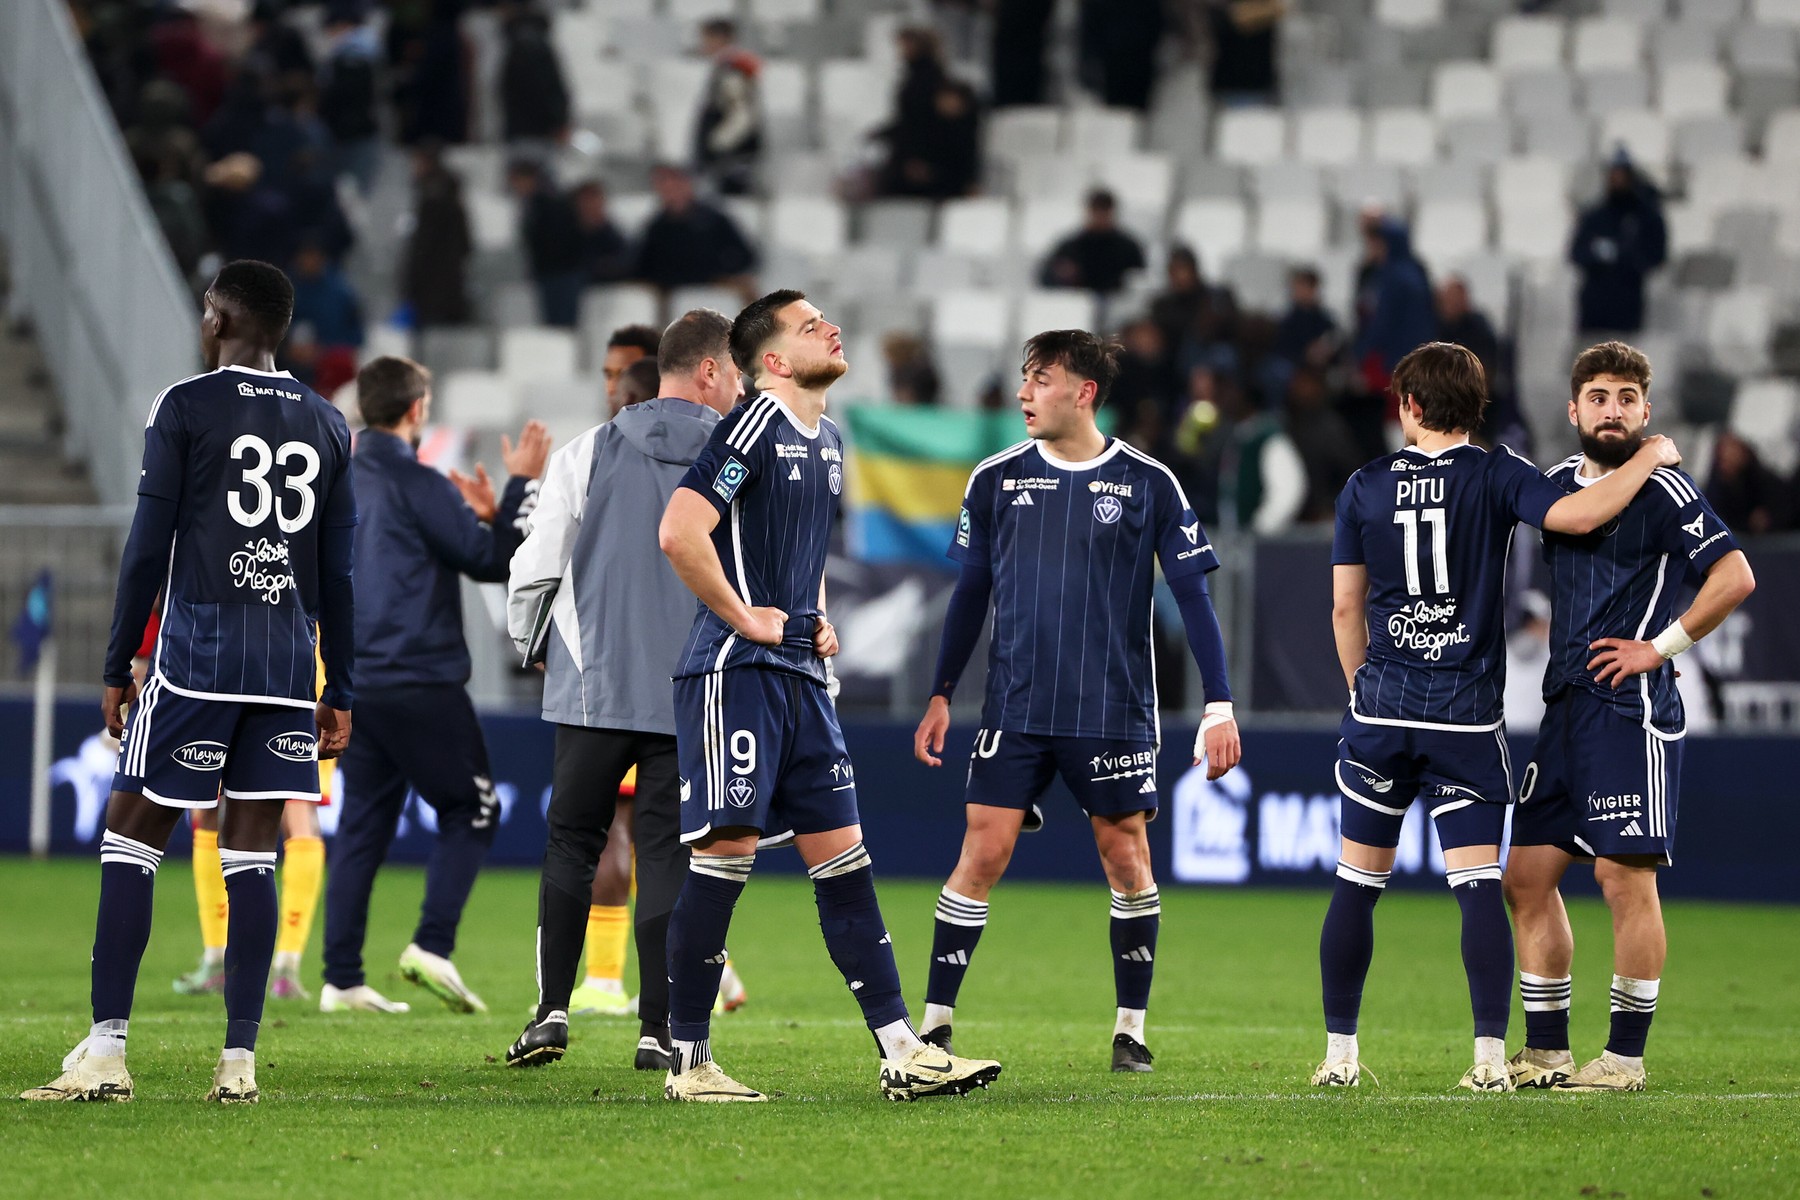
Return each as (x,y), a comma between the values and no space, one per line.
(1408,520)
(256,474)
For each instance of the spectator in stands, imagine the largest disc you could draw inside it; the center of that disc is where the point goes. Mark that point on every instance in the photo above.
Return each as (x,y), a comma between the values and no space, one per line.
(433,269)
(185,55)
(1146,389)
(175,203)
(639,383)
(327,330)
(1262,480)
(1395,310)
(1617,243)
(933,142)
(276,48)
(430,62)
(1461,322)
(629,344)
(534,99)
(1099,255)
(728,134)
(690,242)
(1191,312)
(249,217)
(348,91)
(1307,334)
(605,253)
(1324,440)
(1244,34)
(912,376)
(1021,31)
(1747,495)
(552,240)
(1117,41)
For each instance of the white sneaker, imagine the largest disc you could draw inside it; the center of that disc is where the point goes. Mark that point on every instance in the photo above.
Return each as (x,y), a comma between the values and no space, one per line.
(928,1071)
(1487,1077)
(234,1081)
(1608,1073)
(438,976)
(1540,1068)
(707,1084)
(1342,1072)
(86,1077)
(731,995)
(361,998)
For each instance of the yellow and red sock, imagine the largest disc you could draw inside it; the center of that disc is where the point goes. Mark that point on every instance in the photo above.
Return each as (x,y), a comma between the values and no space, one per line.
(608,929)
(209,892)
(302,878)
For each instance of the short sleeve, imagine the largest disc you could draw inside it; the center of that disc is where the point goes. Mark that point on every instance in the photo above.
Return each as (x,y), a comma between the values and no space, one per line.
(1182,546)
(1692,531)
(1523,491)
(165,451)
(724,470)
(973,541)
(1347,540)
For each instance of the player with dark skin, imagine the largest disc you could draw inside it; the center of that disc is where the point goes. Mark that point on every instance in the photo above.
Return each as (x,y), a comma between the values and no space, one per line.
(228,338)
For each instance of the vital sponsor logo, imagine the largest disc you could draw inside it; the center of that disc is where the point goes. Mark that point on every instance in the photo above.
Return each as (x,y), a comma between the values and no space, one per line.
(1111,489)
(262,567)
(1108,510)
(1422,627)
(831,454)
(200,756)
(1030,483)
(730,478)
(295,747)
(741,792)
(251,390)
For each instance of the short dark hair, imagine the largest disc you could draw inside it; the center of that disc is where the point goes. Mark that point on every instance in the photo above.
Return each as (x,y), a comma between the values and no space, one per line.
(1079,353)
(636,337)
(642,377)
(386,387)
(260,292)
(1447,382)
(1609,358)
(691,339)
(757,326)
(1307,275)
(723,27)
(1102,198)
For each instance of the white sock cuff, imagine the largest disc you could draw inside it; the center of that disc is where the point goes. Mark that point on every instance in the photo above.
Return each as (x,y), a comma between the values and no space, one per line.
(234,862)
(116,1028)
(1634,995)
(1374,879)
(1542,994)
(117,848)
(955,909)
(853,859)
(1128,906)
(1459,876)
(732,867)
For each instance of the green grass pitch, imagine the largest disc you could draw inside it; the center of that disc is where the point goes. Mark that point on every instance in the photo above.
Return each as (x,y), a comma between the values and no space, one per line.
(370,1106)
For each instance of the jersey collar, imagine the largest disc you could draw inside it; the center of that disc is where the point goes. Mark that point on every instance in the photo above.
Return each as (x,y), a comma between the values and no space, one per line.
(260,374)
(793,420)
(1439,453)
(1063,464)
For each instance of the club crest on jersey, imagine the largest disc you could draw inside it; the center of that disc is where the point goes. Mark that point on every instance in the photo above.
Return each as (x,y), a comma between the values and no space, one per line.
(250,569)
(730,478)
(835,477)
(295,747)
(1108,510)
(200,756)
(741,792)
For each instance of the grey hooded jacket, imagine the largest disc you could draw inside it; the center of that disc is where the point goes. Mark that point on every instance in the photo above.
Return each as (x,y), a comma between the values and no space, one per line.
(591,595)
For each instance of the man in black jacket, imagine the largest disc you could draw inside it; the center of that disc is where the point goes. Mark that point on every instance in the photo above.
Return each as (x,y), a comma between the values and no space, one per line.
(1617,243)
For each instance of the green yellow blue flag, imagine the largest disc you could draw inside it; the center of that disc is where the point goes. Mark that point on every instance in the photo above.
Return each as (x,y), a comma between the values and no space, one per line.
(908,468)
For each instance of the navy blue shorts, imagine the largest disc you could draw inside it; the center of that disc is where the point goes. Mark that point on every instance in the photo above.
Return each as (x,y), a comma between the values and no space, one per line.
(761,749)
(1109,777)
(1464,778)
(179,750)
(1599,783)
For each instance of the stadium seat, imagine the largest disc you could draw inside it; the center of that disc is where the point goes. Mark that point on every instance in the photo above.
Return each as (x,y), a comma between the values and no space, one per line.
(1404,137)
(1764,413)
(876,269)
(1644,11)
(931,269)
(1489,279)
(720,299)
(1286,181)
(1091,134)
(1214,227)
(1526,43)
(1760,48)
(1047,176)
(1294,229)
(513,306)
(1143,182)
(577,402)
(899,223)
(966,370)
(979,226)
(970,317)
(1569,137)
(674,87)
(784,90)
(493,219)
(1465,89)
(1328,136)
(1692,90)
(1781,140)
(1738,330)
(457,348)
(1607,43)
(1449,181)
(1260,281)
(1775,12)
(477,400)
(1710,12)
(1210,177)
(1476,140)
(1684,43)
(1044,222)
(767,12)
(1399,85)
(1643,133)
(1537,231)
(1449,229)
(1355,186)
(1704,139)
(1060,308)
(1027,131)
(604,309)
(855,95)
(631,210)
(1246,136)
(816,226)
(1729,182)
(750,214)
(1614,89)
(537,354)
(1523,181)
(1409,14)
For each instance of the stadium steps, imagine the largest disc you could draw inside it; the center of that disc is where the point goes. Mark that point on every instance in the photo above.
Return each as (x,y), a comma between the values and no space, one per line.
(33,469)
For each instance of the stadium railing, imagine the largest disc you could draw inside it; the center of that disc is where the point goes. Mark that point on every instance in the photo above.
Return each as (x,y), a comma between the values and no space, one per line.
(91,270)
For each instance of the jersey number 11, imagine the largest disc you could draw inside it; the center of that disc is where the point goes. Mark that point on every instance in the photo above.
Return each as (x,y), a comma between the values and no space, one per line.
(1408,520)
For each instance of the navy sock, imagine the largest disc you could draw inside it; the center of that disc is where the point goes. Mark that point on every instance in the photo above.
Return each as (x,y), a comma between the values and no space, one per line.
(1546,1010)
(1633,1007)
(1136,920)
(122,926)
(960,921)
(249,941)
(1347,944)
(1487,946)
(857,937)
(697,930)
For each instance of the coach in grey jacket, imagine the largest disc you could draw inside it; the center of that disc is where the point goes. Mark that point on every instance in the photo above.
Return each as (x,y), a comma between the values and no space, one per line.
(593,599)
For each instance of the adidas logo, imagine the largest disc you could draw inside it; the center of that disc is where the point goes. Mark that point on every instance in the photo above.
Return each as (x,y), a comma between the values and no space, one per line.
(1141,954)
(794,471)
(886,939)
(1149,788)
(1024,500)
(717,959)
(956,958)
(1696,527)
(1632,830)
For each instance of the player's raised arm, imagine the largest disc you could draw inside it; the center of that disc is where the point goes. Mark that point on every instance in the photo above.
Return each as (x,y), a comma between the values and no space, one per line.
(1595,505)
(685,536)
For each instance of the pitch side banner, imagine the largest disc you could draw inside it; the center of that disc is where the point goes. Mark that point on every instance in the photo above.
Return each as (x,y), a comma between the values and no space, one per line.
(1272,822)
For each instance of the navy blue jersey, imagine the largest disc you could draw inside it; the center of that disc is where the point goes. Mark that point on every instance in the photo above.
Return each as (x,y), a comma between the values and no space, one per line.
(1072,548)
(1434,531)
(776,486)
(1624,581)
(257,465)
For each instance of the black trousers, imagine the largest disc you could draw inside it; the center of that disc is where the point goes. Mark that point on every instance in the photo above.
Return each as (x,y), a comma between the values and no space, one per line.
(584,793)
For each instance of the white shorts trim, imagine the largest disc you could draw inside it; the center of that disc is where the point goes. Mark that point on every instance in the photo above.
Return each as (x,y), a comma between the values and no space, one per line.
(170,802)
(312,797)
(233,697)
(1338,770)
(1489,728)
